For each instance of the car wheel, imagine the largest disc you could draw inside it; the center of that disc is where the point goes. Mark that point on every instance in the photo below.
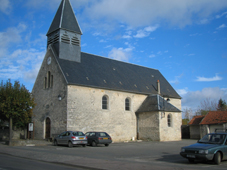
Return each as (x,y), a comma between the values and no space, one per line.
(191,160)
(94,143)
(106,144)
(55,143)
(84,145)
(70,144)
(217,158)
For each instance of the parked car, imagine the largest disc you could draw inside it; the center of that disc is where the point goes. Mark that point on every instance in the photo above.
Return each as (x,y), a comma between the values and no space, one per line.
(94,138)
(71,138)
(212,147)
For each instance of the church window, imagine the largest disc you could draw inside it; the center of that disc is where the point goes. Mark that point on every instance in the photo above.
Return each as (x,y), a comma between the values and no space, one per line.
(169,120)
(45,83)
(48,81)
(51,81)
(127,104)
(105,102)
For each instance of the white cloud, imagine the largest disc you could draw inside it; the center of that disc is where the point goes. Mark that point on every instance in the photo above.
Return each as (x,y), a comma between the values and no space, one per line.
(23,64)
(204,21)
(222,26)
(219,16)
(120,54)
(5,6)
(177,79)
(11,36)
(152,56)
(145,32)
(147,12)
(126,36)
(182,92)
(193,99)
(205,79)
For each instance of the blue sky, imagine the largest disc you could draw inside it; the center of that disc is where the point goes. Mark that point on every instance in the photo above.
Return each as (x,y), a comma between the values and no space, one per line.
(185,40)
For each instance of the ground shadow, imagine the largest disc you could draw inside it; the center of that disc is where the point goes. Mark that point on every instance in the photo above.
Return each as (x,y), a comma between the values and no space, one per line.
(176,158)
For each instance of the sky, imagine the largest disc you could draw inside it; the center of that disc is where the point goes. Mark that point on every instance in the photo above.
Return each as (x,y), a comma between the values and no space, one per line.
(186,40)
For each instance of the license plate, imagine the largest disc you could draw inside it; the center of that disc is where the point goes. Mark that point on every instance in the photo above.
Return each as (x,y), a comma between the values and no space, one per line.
(191,156)
(105,138)
(81,138)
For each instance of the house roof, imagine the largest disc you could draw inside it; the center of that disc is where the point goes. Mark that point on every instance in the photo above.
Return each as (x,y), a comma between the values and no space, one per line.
(215,117)
(100,72)
(156,103)
(196,120)
(65,19)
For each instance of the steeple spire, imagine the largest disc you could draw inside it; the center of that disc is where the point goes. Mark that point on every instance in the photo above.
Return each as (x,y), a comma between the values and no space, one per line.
(65,34)
(65,19)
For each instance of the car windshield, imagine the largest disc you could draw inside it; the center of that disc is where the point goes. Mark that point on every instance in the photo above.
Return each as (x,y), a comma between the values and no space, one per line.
(213,139)
(78,134)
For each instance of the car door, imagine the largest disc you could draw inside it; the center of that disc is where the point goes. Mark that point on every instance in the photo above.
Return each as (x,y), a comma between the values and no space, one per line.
(92,137)
(225,150)
(60,138)
(88,137)
(66,138)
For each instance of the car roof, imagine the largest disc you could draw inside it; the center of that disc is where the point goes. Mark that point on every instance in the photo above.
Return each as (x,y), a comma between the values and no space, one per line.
(218,133)
(95,131)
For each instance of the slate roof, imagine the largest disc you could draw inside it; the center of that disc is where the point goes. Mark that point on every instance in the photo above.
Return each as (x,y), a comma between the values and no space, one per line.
(100,72)
(65,19)
(215,117)
(156,103)
(196,120)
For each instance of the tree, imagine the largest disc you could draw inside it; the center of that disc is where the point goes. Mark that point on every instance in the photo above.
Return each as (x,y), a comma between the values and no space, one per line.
(16,102)
(206,106)
(222,106)
(187,116)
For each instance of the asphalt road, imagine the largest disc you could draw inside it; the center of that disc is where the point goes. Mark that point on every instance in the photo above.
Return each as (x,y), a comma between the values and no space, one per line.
(132,155)
(8,162)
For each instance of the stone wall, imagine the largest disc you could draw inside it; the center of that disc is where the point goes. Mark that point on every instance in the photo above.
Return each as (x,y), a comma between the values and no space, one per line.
(16,134)
(85,112)
(172,133)
(175,102)
(148,124)
(46,99)
(195,132)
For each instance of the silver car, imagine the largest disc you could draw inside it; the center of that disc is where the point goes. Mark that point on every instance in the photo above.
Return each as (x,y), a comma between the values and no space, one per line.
(71,138)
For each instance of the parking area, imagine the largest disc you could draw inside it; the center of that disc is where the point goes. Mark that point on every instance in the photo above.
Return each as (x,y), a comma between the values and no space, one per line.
(132,155)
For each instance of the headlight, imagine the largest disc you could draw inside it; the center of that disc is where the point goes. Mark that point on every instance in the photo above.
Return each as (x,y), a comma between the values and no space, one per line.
(182,150)
(203,151)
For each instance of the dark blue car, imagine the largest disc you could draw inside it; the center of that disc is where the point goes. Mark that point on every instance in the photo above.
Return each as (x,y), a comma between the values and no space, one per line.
(212,147)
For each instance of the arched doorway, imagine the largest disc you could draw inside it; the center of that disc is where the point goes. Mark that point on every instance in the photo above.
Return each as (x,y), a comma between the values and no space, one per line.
(48,123)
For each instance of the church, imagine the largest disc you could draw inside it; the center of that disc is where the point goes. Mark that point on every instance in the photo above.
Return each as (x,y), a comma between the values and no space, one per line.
(76,90)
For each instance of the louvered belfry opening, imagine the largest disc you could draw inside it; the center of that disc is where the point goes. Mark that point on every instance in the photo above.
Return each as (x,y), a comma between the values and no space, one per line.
(64,34)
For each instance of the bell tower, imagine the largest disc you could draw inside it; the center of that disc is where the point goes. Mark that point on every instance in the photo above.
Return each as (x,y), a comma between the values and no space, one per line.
(65,33)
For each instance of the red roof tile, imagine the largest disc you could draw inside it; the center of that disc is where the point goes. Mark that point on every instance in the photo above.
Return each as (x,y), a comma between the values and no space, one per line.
(215,117)
(196,120)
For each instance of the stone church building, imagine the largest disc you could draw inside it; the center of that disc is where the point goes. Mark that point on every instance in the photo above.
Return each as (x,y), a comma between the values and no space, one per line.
(75,90)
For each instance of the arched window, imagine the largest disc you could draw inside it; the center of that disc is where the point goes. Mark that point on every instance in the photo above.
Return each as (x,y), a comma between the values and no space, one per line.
(105,102)
(48,80)
(169,120)
(127,104)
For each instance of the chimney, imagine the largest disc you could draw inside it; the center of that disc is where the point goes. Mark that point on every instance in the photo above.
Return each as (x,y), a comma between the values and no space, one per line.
(158,87)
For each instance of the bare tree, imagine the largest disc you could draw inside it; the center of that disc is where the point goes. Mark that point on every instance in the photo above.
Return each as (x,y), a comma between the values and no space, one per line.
(206,106)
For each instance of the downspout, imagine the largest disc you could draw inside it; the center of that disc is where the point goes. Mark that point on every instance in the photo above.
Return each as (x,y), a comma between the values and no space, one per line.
(158,87)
